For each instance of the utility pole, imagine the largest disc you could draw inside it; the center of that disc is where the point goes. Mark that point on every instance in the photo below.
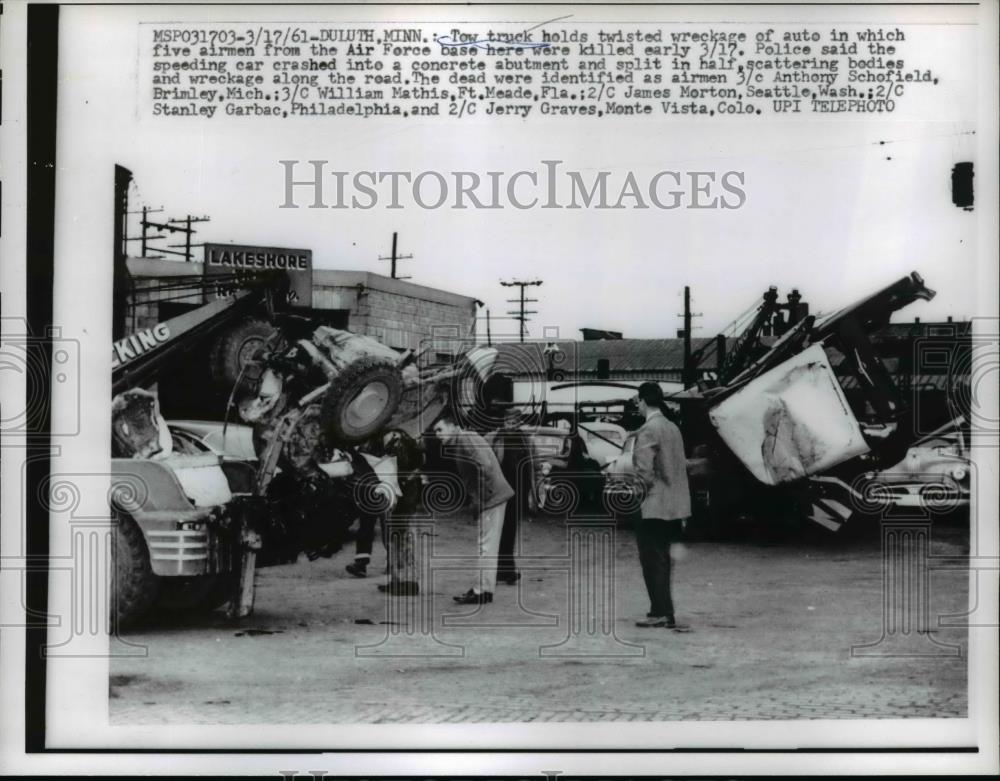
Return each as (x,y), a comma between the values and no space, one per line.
(489,336)
(179,225)
(188,231)
(145,225)
(395,256)
(521,314)
(687,337)
(689,372)
(122,280)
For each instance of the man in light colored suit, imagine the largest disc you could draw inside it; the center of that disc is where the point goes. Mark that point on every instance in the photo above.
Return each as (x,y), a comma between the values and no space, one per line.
(486,492)
(660,463)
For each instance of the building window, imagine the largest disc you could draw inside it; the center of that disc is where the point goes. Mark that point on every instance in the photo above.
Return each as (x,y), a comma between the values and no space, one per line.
(335,318)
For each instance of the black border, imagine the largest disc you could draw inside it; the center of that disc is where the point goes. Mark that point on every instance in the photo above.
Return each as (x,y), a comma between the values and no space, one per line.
(42,82)
(42,69)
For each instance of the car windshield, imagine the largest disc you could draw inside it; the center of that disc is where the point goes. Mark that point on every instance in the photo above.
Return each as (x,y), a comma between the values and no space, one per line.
(185,444)
(591,432)
(231,444)
(548,445)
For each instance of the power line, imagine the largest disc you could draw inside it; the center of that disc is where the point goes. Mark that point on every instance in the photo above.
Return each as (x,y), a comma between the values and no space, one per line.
(521,314)
(175,225)
(740,321)
(396,256)
(689,375)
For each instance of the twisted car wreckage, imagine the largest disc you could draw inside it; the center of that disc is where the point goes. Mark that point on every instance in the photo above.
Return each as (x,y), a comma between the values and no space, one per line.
(191,529)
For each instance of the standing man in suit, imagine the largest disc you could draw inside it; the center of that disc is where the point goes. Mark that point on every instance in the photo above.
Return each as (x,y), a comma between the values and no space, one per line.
(660,463)
(513,451)
(486,492)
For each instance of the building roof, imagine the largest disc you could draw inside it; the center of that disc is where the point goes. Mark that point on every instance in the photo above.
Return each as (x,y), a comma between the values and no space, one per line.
(596,334)
(623,355)
(653,356)
(321,277)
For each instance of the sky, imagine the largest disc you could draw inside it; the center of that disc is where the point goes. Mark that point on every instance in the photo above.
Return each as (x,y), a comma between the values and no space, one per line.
(835,207)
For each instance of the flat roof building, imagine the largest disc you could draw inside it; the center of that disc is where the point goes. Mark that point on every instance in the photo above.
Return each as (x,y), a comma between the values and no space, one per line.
(398,313)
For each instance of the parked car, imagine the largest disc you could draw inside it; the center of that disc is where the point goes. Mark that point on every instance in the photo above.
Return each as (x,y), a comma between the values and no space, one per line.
(604,441)
(623,490)
(934,475)
(621,487)
(567,478)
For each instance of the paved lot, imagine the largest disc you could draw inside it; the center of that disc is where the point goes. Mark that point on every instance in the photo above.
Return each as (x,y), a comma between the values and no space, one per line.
(767,633)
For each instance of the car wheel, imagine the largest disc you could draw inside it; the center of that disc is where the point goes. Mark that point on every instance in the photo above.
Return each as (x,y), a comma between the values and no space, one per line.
(361,400)
(235,348)
(134,588)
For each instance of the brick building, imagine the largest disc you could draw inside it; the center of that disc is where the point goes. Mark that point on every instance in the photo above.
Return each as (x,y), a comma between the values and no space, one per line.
(398,313)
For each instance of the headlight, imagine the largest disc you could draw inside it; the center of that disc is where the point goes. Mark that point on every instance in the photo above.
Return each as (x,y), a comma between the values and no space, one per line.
(546,468)
(959,472)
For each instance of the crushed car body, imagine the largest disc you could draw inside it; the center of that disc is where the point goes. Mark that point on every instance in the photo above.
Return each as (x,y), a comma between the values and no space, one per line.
(781,420)
(790,422)
(787,419)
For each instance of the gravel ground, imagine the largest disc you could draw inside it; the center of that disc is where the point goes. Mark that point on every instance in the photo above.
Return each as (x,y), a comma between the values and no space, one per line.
(766,632)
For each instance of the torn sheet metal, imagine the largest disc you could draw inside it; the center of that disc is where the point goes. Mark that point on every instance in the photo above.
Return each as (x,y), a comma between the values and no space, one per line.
(791,421)
(138,430)
(201,479)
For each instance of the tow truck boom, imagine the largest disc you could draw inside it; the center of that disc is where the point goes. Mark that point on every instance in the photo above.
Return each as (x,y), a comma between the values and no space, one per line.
(139,358)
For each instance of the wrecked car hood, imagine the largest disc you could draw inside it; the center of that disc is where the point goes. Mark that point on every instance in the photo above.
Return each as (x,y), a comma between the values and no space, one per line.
(790,422)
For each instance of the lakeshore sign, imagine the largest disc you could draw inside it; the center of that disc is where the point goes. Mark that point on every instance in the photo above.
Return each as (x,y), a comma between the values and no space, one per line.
(224,259)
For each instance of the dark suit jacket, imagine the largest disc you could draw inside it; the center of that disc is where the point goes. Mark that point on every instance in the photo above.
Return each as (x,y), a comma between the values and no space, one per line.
(514,453)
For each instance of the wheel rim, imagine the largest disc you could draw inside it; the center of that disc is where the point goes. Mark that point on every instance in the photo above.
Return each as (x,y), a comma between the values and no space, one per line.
(367,405)
(248,350)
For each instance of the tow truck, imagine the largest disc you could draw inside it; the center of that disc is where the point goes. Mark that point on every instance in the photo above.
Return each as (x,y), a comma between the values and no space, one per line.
(773,432)
(190,529)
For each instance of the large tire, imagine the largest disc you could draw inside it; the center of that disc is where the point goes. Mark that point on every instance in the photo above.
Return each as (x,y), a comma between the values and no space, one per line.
(361,400)
(134,588)
(234,348)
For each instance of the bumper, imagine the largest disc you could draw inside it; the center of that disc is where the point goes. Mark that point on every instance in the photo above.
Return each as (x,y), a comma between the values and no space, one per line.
(935,497)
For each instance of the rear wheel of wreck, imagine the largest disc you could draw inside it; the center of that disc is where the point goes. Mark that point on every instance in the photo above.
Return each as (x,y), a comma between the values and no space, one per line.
(134,587)
(361,400)
(235,348)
